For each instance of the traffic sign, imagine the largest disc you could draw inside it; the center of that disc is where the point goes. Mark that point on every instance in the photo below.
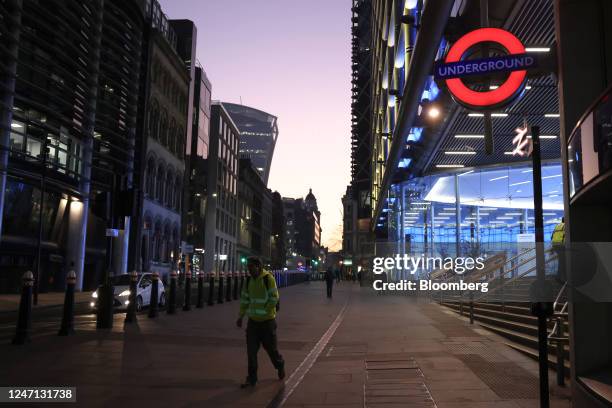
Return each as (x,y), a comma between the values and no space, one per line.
(517,62)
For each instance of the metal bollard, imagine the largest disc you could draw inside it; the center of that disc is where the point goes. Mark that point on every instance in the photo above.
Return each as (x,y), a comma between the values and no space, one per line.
(187,303)
(221,294)
(154,295)
(24,321)
(130,315)
(67,326)
(242,277)
(236,279)
(471,308)
(200,302)
(228,292)
(560,365)
(211,289)
(172,296)
(106,300)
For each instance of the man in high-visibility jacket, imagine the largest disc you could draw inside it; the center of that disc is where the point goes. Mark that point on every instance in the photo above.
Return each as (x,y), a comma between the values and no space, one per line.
(258,301)
(558,245)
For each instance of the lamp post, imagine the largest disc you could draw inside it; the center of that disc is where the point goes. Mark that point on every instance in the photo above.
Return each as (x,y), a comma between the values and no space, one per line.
(43,160)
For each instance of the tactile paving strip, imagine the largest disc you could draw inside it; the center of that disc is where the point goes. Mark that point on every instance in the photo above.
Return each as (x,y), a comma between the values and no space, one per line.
(467,347)
(506,379)
(395,383)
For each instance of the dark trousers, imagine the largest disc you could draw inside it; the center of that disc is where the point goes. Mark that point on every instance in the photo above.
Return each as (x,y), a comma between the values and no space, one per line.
(330,286)
(263,333)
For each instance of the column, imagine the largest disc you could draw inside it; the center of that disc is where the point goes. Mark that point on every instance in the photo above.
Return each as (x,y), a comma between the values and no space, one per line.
(457,218)
(478,224)
(78,214)
(432,233)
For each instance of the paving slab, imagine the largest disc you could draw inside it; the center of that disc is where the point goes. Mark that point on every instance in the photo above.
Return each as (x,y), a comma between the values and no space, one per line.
(383,351)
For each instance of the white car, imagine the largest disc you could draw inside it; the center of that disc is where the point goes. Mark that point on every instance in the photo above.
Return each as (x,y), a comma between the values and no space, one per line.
(121,292)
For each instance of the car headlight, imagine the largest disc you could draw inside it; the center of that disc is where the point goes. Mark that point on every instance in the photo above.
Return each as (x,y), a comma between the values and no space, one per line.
(95,295)
(125,293)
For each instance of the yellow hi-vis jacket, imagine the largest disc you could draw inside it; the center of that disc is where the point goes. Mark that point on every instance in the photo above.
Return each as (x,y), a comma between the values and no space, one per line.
(558,235)
(257,301)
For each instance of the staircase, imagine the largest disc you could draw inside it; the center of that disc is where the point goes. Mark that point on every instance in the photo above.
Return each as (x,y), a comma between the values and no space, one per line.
(505,308)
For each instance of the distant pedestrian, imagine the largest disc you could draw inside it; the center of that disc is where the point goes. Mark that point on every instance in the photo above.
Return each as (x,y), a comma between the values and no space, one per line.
(337,275)
(259,300)
(329,281)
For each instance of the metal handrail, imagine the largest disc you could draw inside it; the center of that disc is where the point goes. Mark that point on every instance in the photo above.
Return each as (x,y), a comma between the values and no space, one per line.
(556,302)
(506,272)
(506,262)
(506,282)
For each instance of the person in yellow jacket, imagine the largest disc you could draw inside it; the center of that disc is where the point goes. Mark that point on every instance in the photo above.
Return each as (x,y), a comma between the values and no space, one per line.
(258,301)
(558,246)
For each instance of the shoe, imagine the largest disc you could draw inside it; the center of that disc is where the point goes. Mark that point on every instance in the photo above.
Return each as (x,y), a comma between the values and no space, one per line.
(281,372)
(248,383)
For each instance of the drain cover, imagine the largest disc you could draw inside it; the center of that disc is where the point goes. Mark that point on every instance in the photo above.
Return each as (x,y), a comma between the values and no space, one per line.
(391,382)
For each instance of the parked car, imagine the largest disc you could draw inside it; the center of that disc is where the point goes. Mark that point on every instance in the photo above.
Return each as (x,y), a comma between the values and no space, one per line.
(121,292)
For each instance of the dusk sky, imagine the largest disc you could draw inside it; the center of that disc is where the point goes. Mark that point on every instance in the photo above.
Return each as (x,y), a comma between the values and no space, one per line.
(291,59)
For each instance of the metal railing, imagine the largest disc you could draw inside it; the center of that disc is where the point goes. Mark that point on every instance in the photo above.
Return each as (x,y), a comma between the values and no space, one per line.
(288,278)
(498,292)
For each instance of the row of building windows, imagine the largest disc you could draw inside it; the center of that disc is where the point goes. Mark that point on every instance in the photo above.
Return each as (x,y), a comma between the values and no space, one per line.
(163,184)
(162,239)
(225,255)
(170,88)
(164,129)
(39,142)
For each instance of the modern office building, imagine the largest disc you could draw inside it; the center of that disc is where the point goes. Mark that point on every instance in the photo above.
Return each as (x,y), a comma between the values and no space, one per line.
(186,42)
(433,182)
(358,202)
(349,233)
(279,252)
(161,148)
(258,135)
(70,101)
(197,154)
(289,205)
(438,186)
(221,234)
(254,214)
(302,231)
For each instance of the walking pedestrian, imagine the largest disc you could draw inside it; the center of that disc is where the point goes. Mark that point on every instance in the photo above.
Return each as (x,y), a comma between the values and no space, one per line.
(259,301)
(329,281)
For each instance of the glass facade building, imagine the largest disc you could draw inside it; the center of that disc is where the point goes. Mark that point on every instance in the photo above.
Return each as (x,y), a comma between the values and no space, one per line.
(495,205)
(69,91)
(258,135)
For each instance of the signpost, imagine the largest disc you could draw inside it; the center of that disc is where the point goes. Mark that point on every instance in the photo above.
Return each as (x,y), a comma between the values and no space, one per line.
(454,68)
(540,306)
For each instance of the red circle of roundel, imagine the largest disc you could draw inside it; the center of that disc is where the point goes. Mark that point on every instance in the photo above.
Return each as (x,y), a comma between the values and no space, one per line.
(505,91)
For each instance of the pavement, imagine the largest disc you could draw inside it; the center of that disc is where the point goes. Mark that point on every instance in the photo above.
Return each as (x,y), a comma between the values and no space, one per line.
(10,302)
(359,349)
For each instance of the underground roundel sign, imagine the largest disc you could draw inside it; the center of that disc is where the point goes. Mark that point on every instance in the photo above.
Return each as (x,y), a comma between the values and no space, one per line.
(455,67)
